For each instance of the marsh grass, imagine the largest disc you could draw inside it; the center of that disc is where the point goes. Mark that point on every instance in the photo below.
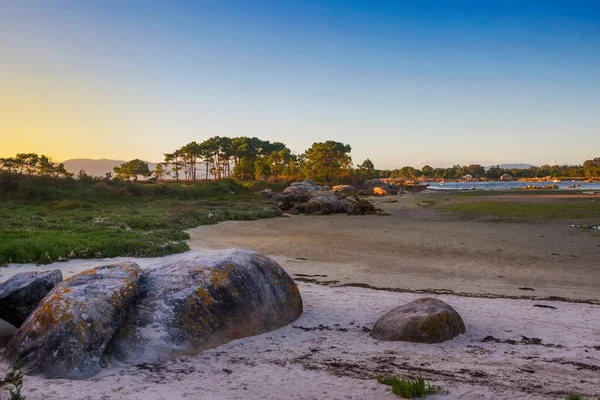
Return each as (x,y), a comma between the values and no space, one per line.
(568,210)
(409,388)
(149,224)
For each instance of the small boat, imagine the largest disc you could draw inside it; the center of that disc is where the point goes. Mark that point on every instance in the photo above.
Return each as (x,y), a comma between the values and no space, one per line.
(441,183)
(556,181)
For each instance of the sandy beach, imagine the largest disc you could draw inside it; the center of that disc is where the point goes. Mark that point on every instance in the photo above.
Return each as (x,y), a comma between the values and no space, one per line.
(417,248)
(513,348)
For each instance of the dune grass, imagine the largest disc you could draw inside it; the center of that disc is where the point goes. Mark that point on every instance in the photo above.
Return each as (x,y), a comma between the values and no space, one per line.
(46,223)
(409,388)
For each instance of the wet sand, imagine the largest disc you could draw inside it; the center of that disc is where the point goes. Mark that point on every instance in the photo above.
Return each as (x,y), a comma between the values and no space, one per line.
(417,248)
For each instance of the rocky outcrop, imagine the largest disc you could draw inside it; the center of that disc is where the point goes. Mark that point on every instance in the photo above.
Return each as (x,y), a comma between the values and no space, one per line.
(7,331)
(68,332)
(308,198)
(424,320)
(197,302)
(22,293)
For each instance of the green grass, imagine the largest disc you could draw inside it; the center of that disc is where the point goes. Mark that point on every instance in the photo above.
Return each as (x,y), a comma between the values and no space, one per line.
(88,223)
(409,388)
(589,210)
(573,396)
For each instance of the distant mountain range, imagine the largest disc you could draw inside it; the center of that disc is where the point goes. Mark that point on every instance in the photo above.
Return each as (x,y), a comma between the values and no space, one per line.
(96,167)
(515,166)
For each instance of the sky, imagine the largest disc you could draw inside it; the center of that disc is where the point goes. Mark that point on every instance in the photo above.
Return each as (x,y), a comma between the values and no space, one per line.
(403,82)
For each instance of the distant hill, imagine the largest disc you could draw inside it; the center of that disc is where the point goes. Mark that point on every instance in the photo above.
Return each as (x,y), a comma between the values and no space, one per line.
(96,167)
(515,166)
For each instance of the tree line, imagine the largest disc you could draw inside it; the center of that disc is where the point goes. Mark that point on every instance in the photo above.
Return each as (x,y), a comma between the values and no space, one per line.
(244,158)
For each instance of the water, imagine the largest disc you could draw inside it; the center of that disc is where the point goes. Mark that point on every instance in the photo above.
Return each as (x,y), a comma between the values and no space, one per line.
(510,185)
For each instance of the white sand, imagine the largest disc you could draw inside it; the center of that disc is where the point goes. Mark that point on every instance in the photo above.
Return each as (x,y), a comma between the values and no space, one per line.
(341,363)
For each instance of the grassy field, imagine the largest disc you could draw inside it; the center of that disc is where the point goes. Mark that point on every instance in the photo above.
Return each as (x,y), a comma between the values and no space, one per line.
(47,220)
(523,206)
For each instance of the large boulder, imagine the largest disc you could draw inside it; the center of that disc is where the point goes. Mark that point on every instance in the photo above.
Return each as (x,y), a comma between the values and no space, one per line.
(22,293)
(300,192)
(196,302)
(324,203)
(357,206)
(424,320)
(67,334)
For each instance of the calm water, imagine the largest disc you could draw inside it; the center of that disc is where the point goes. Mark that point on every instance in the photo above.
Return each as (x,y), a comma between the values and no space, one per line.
(509,185)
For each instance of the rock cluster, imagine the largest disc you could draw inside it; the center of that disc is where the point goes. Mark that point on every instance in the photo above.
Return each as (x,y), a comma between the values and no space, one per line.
(121,312)
(306,197)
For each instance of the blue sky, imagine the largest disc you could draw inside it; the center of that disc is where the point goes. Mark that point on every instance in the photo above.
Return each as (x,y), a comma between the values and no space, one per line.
(402,82)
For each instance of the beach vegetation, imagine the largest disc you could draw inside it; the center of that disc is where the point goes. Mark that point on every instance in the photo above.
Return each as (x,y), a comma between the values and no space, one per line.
(13,382)
(408,388)
(44,219)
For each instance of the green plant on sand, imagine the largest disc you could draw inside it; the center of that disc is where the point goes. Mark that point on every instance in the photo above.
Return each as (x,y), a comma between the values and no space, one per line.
(13,382)
(409,388)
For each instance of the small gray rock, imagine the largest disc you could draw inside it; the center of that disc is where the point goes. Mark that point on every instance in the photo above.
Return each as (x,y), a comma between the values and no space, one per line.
(268,193)
(6,332)
(424,320)
(22,293)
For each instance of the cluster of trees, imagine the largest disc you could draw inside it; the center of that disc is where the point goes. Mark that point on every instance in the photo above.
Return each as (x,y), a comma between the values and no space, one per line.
(590,168)
(223,157)
(33,164)
(132,169)
(247,158)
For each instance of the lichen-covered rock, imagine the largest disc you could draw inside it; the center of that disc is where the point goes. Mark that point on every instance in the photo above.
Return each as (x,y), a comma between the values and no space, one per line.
(300,191)
(7,331)
(197,302)
(325,203)
(22,293)
(344,188)
(379,191)
(424,320)
(68,332)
